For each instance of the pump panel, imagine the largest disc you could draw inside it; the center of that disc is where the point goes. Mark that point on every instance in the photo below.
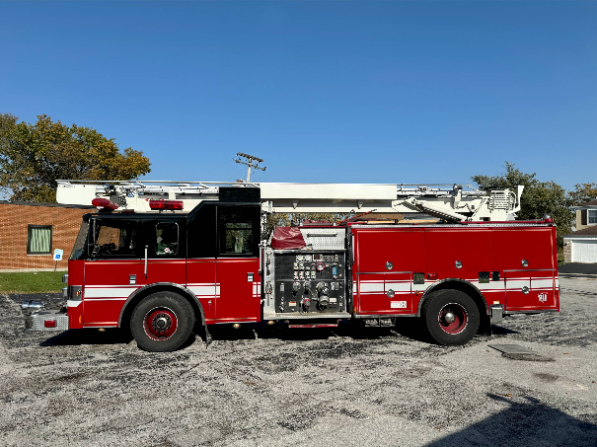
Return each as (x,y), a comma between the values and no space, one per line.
(310,283)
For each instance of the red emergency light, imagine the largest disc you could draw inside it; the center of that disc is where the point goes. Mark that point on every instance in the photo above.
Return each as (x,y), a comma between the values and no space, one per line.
(104,203)
(50,323)
(165,204)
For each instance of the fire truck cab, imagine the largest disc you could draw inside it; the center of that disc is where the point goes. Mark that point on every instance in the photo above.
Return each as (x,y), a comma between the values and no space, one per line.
(161,274)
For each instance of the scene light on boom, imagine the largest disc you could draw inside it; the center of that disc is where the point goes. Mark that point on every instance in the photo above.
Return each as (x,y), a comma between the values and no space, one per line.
(165,204)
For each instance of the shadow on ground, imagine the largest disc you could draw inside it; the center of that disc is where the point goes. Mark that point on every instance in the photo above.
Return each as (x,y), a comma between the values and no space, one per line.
(530,423)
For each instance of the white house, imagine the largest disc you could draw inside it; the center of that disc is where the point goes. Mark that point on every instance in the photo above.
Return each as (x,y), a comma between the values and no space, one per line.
(581,246)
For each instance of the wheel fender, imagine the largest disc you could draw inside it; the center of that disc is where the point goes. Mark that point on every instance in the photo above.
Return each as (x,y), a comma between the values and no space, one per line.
(160,287)
(458,284)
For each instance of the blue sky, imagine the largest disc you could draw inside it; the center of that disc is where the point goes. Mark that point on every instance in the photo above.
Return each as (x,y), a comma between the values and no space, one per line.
(404,92)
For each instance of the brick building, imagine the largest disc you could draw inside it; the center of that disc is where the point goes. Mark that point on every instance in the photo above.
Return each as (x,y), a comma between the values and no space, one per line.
(29,233)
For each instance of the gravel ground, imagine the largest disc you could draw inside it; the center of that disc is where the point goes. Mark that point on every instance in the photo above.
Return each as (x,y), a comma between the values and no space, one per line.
(305,387)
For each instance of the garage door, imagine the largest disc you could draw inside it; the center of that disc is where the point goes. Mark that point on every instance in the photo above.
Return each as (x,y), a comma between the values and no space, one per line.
(584,251)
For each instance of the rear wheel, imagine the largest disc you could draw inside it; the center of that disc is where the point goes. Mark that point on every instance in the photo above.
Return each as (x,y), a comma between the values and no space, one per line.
(162,322)
(452,317)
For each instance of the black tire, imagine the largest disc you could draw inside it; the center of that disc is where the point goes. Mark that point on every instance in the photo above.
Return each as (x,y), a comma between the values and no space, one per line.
(455,329)
(162,322)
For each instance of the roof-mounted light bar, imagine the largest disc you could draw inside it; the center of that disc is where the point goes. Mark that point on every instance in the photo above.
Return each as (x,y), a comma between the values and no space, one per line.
(166,204)
(104,203)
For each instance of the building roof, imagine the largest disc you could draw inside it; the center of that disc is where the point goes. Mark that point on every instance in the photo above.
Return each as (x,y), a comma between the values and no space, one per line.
(591,204)
(54,205)
(590,231)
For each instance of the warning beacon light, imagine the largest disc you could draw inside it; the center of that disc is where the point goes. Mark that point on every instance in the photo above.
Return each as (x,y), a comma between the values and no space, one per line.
(165,204)
(104,203)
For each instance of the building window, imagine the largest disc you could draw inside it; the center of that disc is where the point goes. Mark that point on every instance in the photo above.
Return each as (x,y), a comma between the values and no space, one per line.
(592,217)
(39,241)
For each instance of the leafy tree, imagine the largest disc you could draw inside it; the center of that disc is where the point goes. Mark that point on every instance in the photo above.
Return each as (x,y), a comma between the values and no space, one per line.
(582,193)
(34,156)
(538,198)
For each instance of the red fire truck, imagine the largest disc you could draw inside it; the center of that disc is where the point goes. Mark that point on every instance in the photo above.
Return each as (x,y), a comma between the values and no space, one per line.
(162,274)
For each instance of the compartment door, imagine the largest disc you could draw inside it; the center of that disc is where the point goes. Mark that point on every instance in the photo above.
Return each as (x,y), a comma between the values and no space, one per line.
(518,289)
(543,293)
(371,293)
(398,290)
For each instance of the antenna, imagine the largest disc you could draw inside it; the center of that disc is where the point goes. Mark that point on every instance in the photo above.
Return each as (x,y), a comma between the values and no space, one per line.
(249,163)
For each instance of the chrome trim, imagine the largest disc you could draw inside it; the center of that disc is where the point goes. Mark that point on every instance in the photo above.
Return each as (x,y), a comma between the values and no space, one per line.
(65,278)
(534,311)
(363,316)
(145,270)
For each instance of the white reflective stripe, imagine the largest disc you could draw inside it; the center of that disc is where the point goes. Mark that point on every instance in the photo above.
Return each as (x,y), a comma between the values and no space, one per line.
(109,292)
(513,284)
(218,289)
(541,283)
(70,303)
(204,292)
(493,285)
(354,287)
(371,287)
(419,287)
(557,283)
(398,286)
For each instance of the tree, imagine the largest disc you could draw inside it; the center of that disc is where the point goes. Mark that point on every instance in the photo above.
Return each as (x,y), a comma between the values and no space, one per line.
(583,193)
(33,157)
(538,198)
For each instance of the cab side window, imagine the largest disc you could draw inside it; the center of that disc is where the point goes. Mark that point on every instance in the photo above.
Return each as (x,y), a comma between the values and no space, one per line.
(167,235)
(238,230)
(113,239)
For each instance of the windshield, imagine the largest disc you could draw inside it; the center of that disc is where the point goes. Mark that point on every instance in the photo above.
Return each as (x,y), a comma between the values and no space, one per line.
(79,247)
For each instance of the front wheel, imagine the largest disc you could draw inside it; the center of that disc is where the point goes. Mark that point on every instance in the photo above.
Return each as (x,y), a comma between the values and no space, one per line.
(452,317)
(162,322)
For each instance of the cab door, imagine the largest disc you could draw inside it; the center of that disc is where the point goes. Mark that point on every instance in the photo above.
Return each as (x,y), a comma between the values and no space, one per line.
(238,285)
(164,251)
(201,257)
(112,267)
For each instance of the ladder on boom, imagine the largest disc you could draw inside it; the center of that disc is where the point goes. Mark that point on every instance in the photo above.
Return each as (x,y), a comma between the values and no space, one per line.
(452,203)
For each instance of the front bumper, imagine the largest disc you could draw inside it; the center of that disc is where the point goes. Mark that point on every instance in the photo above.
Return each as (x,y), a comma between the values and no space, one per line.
(47,320)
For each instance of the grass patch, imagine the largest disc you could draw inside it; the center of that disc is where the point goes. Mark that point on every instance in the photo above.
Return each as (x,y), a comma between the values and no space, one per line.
(561,256)
(31,282)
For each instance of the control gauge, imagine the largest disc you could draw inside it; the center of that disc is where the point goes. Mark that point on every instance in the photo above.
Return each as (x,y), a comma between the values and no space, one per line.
(320,266)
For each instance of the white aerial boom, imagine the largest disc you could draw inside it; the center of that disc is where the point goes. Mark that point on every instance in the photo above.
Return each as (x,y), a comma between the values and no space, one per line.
(451,203)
